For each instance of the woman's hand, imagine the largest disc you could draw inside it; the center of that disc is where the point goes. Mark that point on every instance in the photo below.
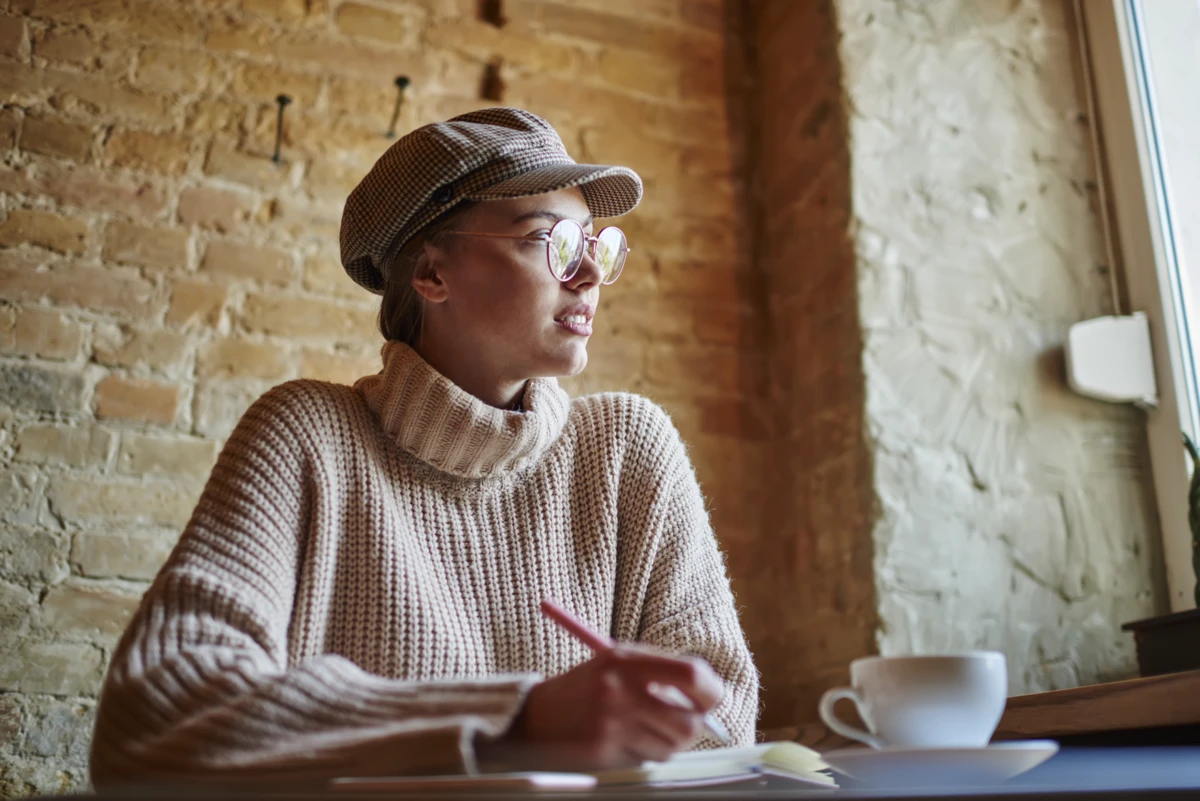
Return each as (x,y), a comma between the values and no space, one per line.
(608,713)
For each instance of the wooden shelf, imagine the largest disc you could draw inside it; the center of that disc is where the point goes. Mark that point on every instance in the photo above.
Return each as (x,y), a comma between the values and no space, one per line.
(1148,703)
(1156,702)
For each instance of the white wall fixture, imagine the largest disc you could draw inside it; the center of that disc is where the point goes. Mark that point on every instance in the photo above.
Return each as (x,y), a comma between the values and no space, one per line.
(1110,358)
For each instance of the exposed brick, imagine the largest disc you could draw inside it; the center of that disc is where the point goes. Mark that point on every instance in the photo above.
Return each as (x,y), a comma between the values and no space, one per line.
(336,55)
(59,730)
(21,84)
(90,499)
(10,124)
(134,554)
(255,170)
(238,358)
(24,551)
(11,718)
(230,35)
(284,10)
(19,492)
(601,27)
(93,191)
(99,95)
(54,137)
(147,152)
(159,248)
(41,388)
(641,72)
(144,19)
(54,668)
(137,399)
(67,45)
(366,99)
(238,260)
(324,274)
(220,404)
(333,178)
(652,319)
(141,454)
(213,209)
(165,351)
(302,218)
(717,369)
(370,22)
(120,290)
(174,71)
(308,318)
(264,82)
(13,41)
(325,364)
(208,116)
(88,610)
(196,303)
(44,229)
(18,607)
(17,181)
(318,135)
(45,333)
(483,42)
(64,445)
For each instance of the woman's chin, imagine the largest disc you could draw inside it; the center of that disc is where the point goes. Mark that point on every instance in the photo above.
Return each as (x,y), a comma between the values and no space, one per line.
(567,361)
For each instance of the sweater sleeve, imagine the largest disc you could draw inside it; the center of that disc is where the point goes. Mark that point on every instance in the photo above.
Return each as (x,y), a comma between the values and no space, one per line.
(688,604)
(201,684)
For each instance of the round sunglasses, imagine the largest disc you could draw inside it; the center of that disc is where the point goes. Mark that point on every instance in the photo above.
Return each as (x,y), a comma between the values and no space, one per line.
(565,244)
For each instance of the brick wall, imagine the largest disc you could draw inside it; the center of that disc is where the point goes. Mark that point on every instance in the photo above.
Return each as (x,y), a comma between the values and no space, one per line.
(812,561)
(158,271)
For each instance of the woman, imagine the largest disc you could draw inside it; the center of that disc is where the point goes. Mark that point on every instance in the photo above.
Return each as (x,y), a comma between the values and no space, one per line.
(357,590)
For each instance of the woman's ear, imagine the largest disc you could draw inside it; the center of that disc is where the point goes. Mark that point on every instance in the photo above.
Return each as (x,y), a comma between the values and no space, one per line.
(427,279)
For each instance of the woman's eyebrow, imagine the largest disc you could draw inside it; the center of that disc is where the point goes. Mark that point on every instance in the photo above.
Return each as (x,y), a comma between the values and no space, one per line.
(549,215)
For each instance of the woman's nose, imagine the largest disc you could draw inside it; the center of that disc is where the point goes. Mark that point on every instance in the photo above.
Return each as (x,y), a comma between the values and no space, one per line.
(589,271)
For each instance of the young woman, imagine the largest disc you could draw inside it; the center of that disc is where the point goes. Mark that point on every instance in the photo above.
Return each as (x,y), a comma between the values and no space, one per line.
(357,590)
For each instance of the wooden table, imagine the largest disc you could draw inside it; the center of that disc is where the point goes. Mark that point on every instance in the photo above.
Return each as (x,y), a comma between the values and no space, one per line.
(1158,710)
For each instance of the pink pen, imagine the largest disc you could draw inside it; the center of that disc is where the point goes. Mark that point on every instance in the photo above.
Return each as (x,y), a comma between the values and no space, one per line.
(600,643)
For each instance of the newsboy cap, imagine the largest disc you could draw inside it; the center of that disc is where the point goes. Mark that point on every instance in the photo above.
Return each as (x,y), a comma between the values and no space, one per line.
(489,154)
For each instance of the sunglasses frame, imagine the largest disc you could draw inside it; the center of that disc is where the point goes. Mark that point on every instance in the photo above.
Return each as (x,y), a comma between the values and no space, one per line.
(588,246)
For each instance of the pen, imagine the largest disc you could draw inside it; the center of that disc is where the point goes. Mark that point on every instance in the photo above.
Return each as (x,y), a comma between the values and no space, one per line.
(600,643)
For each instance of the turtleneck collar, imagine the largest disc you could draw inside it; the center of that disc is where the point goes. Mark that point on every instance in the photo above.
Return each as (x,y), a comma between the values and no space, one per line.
(435,420)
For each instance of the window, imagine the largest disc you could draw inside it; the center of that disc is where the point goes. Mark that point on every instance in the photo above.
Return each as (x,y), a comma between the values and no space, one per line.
(1144,66)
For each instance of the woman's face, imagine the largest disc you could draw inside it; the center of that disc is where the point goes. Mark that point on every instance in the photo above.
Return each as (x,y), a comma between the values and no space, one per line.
(502,307)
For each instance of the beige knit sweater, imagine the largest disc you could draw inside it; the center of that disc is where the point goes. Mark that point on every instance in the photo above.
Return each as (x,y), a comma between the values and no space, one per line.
(357,590)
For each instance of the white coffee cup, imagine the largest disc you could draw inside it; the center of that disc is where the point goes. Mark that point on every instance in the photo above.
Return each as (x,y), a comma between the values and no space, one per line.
(952,701)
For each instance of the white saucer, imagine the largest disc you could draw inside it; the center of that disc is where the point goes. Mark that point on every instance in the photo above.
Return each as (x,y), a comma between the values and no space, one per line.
(940,767)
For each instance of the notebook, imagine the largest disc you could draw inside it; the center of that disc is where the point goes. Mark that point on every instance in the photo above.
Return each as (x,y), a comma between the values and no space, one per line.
(772,765)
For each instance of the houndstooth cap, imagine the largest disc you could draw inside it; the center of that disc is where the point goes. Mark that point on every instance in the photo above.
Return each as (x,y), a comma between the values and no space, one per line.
(489,154)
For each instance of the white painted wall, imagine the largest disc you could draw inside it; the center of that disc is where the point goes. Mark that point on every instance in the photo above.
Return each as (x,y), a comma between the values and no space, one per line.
(1014,514)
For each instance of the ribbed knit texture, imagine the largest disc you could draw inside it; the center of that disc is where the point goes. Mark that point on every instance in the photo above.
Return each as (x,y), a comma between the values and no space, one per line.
(357,590)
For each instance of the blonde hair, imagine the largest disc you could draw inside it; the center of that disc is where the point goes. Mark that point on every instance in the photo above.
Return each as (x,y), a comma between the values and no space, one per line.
(401,312)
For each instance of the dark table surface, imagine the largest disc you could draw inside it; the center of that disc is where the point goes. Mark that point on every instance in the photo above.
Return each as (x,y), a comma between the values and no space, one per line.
(1075,773)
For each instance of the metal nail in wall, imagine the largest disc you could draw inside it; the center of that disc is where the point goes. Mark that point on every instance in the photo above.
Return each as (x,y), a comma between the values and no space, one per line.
(401,85)
(283,101)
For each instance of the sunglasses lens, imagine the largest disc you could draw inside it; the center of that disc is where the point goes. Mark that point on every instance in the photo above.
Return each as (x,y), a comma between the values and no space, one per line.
(611,248)
(566,248)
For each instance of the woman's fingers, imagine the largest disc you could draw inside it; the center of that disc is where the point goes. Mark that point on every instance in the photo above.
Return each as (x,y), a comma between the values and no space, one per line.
(677,727)
(692,677)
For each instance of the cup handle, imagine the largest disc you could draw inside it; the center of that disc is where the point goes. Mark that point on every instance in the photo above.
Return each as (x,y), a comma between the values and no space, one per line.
(846,730)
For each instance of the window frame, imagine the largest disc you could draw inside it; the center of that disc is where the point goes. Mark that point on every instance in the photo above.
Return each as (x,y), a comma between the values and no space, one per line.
(1134,206)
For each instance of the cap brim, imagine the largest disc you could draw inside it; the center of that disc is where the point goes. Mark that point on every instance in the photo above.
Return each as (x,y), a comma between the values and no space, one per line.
(609,191)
